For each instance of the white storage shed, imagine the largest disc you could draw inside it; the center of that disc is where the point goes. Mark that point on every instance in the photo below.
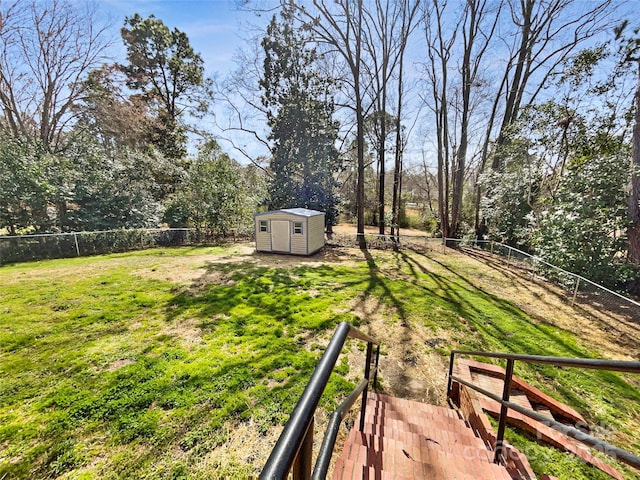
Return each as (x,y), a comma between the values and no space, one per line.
(299,231)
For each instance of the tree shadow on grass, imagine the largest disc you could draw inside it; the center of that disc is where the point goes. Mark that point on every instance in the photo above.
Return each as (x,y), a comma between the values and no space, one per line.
(259,306)
(513,331)
(476,305)
(266,316)
(376,280)
(401,380)
(616,320)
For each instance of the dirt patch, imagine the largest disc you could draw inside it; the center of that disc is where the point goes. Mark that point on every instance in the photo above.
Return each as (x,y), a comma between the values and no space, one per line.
(351,228)
(188,331)
(408,367)
(328,254)
(118,364)
(199,270)
(246,446)
(188,270)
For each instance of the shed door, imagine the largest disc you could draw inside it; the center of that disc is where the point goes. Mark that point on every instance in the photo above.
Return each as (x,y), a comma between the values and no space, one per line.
(280,236)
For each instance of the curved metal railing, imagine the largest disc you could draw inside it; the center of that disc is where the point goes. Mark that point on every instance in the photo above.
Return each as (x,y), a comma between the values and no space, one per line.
(580,435)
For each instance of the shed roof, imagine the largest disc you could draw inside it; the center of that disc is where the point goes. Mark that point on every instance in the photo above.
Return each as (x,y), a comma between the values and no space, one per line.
(301,212)
(305,212)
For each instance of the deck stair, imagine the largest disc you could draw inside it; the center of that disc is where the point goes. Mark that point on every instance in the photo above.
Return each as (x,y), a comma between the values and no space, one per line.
(405,439)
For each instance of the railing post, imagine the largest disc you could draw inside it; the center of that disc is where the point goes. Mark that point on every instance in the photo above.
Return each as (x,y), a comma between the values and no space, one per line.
(375,372)
(449,380)
(506,392)
(367,372)
(575,291)
(533,268)
(302,466)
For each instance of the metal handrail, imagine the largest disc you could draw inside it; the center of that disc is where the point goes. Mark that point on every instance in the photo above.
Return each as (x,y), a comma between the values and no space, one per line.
(581,436)
(329,441)
(297,436)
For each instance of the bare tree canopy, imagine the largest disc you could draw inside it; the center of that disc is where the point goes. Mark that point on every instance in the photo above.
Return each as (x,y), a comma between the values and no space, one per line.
(46,48)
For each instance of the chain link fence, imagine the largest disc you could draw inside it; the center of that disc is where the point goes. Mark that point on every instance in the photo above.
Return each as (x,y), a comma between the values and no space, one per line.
(385,242)
(577,289)
(21,248)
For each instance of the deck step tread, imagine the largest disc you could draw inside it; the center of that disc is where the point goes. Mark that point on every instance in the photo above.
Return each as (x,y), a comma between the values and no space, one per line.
(404,439)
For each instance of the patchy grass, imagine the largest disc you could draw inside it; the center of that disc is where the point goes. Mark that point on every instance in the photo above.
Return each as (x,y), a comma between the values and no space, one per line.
(108,374)
(464,298)
(185,363)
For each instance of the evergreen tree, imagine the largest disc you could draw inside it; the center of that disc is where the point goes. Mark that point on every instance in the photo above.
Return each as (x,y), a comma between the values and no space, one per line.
(170,76)
(23,185)
(581,230)
(304,160)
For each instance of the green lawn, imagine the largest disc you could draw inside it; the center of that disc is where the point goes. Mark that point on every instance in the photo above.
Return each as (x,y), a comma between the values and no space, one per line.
(185,362)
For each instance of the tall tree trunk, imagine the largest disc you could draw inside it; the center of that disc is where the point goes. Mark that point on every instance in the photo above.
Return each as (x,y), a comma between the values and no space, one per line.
(395,201)
(467,77)
(484,155)
(359,129)
(381,168)
(409,11)
(633,232)
(519,80)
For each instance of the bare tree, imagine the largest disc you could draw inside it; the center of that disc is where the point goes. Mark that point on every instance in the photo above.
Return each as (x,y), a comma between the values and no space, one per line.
(454,80)
(46,48)
(388,25)
(244,118)
(380,40)
(409,10)
(340,28)
(544,34)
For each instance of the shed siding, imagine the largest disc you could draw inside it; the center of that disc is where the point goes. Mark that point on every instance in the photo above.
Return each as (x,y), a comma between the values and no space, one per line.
(316,233)
(299,242)
(311,240)
(263,239)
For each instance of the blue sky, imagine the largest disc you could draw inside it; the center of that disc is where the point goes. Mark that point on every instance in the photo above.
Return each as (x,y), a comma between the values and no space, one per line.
(216,30)
(214,27)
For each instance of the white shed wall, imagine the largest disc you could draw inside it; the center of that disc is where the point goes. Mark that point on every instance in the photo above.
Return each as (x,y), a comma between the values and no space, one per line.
(299,241)
(316,233)
(311,239)
(263,239)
